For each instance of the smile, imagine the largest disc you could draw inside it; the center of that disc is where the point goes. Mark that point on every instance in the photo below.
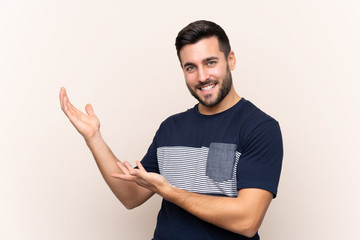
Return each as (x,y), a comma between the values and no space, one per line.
(207,88)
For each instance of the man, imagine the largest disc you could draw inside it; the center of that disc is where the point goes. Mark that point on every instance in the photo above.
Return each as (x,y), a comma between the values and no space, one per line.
(217,165)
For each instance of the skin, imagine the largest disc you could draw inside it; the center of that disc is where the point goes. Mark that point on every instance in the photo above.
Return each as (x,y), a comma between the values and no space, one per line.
(130,194)
(202,62)
(203,65)
(242,215)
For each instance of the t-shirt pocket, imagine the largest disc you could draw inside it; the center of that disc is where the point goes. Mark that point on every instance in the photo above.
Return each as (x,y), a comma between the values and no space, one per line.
(220,161)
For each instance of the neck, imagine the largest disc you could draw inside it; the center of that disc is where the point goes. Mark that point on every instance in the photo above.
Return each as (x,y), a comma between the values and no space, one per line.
(229,100)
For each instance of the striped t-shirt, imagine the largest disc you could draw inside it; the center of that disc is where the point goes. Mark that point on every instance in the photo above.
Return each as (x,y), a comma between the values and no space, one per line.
(215,155)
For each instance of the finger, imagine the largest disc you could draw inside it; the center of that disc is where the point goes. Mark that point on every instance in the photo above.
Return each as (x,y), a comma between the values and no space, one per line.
(69,105)
(140,166)
(122,168)
(65,101)
(139,173)
(66,106)
(128,165)
(62,97)
(124,177)
(89,110)
(71,109)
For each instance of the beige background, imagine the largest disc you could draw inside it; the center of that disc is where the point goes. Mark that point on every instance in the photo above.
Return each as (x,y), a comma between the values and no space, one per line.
(297,60)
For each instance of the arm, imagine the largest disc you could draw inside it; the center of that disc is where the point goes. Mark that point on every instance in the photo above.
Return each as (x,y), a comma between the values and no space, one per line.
(88,125)
(242,215)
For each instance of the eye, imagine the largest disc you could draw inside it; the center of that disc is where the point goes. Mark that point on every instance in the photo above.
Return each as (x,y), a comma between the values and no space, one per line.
(190,68)
(211,63)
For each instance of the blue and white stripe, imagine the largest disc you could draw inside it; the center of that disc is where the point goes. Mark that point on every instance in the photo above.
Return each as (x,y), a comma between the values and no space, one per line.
(185,168)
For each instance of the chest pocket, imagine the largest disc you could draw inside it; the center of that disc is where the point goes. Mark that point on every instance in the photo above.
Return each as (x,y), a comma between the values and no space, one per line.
(220,161)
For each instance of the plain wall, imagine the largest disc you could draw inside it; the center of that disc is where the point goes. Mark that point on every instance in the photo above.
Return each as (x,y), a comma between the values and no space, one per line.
(297,60)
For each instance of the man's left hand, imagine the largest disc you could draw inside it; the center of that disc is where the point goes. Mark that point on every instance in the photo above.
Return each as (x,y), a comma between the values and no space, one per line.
(152,181)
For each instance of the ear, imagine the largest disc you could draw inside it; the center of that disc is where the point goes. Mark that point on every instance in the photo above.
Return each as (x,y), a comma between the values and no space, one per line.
(232,60)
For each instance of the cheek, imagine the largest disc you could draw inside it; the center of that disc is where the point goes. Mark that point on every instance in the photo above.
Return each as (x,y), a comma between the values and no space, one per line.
(190,79)
(219,73)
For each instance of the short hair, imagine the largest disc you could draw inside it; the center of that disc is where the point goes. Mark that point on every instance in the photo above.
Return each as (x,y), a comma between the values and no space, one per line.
(199,30)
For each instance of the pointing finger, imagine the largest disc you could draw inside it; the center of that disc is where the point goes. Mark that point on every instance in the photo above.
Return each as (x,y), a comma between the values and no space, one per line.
(140,166)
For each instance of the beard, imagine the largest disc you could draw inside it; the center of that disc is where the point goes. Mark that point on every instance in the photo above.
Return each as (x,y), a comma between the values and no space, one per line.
(223,91)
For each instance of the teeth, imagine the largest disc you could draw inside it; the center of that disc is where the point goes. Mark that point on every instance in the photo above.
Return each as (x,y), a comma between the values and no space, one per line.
(207,88)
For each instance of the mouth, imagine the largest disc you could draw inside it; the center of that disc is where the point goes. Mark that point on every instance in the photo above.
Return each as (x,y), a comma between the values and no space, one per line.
(207,87)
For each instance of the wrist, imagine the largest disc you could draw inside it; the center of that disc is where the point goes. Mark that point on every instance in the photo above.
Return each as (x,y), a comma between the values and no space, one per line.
(94,138)
(169,193)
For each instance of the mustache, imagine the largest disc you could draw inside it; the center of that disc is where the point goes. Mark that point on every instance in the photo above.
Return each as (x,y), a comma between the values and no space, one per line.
(207,82)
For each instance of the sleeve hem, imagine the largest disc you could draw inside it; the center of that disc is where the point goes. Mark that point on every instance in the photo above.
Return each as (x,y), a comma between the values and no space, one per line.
(269,188)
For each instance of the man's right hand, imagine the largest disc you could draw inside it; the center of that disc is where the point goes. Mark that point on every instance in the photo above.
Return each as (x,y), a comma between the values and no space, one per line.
(88,125)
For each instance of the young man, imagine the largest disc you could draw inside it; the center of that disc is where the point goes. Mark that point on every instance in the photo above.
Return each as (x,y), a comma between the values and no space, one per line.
(217,165)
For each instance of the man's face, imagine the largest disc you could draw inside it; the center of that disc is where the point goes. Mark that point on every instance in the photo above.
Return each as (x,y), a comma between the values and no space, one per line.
(207,71)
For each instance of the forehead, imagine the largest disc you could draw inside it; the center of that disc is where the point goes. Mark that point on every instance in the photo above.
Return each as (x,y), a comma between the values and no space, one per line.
(196,52)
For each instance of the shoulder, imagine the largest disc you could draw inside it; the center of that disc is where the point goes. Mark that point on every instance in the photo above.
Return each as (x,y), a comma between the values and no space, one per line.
(174,129)
(257,126)
(254,117)
(175,119)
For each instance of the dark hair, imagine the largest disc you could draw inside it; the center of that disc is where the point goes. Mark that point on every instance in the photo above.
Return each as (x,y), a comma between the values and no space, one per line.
(199,30)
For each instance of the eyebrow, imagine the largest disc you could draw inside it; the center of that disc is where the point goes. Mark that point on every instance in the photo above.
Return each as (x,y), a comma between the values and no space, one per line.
(203,61)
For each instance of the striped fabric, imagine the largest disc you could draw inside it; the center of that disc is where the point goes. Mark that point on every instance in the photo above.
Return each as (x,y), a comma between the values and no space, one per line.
(185,168)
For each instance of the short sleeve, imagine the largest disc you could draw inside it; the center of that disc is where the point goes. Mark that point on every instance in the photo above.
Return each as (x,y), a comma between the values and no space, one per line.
(261,158)
(149,161)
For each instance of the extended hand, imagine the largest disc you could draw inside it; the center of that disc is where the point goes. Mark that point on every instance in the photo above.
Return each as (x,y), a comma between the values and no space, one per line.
(152,181)
(87,125)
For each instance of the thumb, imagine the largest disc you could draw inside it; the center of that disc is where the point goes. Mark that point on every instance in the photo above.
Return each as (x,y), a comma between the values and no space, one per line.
(89,110)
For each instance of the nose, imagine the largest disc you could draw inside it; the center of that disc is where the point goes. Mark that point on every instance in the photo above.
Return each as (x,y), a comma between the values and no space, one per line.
(203,74)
